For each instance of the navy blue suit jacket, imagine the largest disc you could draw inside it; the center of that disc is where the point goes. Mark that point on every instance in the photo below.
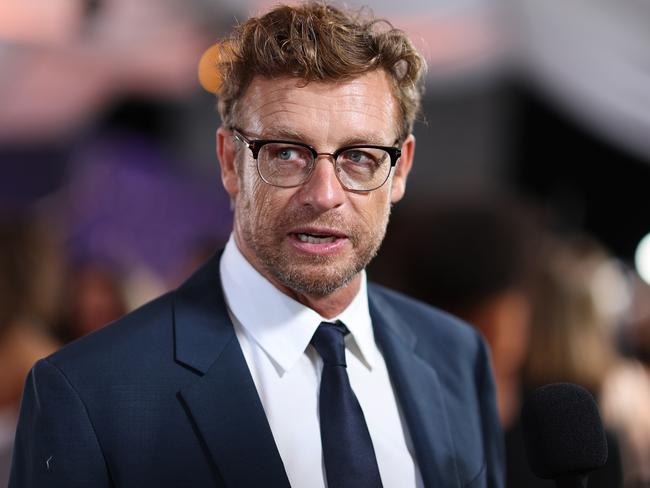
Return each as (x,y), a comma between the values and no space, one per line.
(163,397)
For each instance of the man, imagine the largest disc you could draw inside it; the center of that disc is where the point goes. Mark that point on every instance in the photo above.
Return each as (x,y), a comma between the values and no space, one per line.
(276,364)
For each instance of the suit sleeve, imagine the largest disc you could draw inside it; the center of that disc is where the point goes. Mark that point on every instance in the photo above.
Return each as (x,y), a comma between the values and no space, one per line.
(56,445)
(493,441)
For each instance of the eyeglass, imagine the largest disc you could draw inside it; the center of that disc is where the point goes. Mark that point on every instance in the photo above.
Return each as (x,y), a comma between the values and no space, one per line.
(287,164)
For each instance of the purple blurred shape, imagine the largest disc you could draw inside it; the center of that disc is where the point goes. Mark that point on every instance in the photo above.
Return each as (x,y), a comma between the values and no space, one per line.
(129,205)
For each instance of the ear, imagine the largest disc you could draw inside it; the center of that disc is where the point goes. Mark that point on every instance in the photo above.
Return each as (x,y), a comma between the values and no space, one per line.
(227,155)
(402,169)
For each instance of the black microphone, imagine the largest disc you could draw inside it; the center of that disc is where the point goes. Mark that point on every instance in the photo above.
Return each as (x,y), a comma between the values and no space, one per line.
(563,434)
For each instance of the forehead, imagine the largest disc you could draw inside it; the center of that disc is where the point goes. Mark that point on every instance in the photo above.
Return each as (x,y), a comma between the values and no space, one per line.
(321,110)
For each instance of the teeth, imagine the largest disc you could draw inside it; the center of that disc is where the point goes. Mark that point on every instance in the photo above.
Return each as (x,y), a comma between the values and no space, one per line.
(315,240)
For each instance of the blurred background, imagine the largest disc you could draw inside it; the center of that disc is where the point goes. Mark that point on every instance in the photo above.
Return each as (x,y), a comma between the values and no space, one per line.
(526,211)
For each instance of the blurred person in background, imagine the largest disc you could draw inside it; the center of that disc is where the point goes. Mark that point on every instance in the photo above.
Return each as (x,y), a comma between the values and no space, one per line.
(573,330)
(99,114)
(572,338)
(29,265)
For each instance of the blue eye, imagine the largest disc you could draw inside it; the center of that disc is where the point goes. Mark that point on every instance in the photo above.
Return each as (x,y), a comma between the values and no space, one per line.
(285,154)
(363,157)
(356,156)
(278,152)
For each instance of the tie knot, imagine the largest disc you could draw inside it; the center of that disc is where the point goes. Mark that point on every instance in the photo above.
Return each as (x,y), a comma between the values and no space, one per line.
(329,341)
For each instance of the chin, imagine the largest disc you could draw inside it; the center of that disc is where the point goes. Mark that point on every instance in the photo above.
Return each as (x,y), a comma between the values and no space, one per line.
(318,281)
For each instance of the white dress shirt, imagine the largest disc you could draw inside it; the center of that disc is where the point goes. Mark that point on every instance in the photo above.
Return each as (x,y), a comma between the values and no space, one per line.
(274,332)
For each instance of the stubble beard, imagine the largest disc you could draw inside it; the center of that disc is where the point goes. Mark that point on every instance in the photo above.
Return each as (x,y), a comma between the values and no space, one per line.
(316,276)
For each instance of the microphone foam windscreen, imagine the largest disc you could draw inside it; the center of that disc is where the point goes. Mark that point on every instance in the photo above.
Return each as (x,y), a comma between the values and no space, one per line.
(563,433)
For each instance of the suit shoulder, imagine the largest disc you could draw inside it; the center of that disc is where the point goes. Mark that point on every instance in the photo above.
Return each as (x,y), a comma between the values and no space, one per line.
(426,321)
(131,336)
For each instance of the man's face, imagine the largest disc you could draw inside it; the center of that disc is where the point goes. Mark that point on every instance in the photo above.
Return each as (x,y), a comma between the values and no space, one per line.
(315,238)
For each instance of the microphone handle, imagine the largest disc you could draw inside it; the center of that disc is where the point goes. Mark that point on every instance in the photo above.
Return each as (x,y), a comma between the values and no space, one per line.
(571,482)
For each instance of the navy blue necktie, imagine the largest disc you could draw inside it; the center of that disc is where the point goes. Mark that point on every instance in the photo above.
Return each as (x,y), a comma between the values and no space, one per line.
(347,448)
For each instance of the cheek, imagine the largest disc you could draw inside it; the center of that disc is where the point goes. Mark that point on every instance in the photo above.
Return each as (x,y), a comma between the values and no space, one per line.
(372,208)
(250,186)
(264,204)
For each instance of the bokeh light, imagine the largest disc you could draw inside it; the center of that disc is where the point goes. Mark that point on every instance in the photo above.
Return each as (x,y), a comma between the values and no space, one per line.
(642,258)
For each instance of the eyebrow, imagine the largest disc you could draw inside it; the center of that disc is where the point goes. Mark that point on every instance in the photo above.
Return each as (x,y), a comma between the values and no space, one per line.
(293,135)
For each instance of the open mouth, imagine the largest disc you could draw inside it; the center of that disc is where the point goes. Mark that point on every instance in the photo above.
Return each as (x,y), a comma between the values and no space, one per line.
(318,239)
(315,239)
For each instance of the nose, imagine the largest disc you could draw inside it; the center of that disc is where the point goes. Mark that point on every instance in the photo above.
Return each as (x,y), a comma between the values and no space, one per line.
(323,191)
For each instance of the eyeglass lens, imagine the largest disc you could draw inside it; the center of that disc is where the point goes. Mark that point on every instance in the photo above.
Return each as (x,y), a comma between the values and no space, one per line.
(359,168)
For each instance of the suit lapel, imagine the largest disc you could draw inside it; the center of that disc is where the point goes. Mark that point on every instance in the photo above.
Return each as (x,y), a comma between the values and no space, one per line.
(419,393)
(222,403)
(228,416)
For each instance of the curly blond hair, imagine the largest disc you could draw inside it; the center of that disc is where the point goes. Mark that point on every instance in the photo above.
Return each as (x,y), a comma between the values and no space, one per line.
(319,42)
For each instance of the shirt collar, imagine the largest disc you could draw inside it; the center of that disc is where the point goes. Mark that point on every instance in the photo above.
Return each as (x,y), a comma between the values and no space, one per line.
(280,325)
